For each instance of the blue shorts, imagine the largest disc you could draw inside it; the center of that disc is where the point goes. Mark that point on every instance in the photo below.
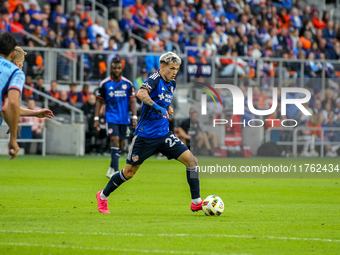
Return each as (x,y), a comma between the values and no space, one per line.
(142,148)
(116,130)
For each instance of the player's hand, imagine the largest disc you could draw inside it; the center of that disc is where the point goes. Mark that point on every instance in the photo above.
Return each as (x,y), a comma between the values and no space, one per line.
(171,111)
(134,123)
(97,125)
(45,113)
(13,148)
(162,111)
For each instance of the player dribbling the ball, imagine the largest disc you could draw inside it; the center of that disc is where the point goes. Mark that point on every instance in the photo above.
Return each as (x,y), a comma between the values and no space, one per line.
(152,133)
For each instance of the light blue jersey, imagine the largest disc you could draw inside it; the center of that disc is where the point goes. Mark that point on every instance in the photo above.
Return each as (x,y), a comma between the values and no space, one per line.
(11,77)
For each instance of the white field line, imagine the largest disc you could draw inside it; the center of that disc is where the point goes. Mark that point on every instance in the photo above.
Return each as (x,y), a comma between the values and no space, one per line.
(171,235)
(111,249)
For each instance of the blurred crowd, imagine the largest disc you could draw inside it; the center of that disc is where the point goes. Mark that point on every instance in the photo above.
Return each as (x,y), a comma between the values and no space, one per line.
(230,28)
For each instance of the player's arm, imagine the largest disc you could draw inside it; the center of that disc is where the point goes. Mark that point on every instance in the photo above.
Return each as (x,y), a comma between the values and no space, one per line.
(144,96)
(12,118)
(43,113)
(133,109)
(100,94)
(99,105)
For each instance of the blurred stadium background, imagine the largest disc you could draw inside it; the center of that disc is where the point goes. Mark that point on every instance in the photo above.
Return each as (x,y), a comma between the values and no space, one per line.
(258,44)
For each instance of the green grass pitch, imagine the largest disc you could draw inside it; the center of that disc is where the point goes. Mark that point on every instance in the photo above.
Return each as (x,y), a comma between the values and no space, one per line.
(48,206)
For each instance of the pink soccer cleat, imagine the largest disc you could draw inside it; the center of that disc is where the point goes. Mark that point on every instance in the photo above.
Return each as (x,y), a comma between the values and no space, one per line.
(102,204)
(195,207)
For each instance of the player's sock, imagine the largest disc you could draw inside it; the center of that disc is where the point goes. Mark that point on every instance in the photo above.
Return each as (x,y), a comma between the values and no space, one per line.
(116,180)
(102,196)
(196,201)
(115,158)
(194,183)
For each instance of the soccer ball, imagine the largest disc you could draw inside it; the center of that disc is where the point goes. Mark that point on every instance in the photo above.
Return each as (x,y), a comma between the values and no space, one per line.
(213,205)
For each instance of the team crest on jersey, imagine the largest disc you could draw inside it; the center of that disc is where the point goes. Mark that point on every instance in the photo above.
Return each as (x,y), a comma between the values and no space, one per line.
(110,131)
(124,86)
(135,158)
(172,89)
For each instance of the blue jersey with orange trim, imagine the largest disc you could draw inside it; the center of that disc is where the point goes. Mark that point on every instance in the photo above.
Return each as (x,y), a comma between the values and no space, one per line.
(117,99)
(11,77)
(151,123)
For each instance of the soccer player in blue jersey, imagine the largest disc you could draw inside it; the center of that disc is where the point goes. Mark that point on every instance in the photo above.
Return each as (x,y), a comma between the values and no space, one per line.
(152,133)
(118,94)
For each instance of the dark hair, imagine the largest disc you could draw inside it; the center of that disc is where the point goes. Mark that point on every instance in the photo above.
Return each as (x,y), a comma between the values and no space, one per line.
(7,43)
(116,60)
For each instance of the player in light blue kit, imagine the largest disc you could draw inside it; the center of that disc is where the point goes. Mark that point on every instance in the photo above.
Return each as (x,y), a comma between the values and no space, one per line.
(12,80)
(118,94)
(152,133)
(18,60)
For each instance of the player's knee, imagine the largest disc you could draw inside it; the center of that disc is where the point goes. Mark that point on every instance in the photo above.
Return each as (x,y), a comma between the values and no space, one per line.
(193,161)
(129,171)
(129,174)
(114,141)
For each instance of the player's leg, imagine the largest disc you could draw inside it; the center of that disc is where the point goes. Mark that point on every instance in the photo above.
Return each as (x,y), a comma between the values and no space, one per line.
(121,145)
(116,180)
(172,147)
(191,163)
(122,136)
(113,134)
(119,178)
(114,148)
(140,149)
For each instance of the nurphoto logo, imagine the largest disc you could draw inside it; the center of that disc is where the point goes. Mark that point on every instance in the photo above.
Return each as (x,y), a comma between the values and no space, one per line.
(239,102)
